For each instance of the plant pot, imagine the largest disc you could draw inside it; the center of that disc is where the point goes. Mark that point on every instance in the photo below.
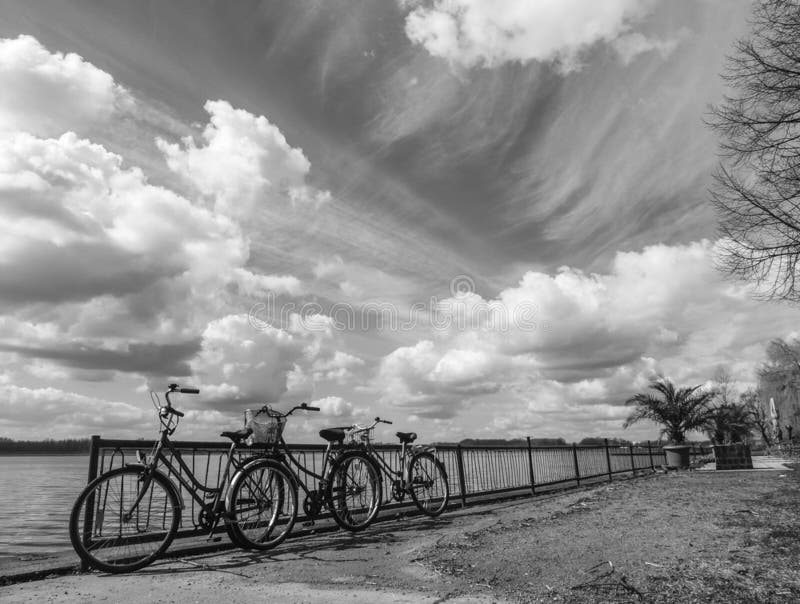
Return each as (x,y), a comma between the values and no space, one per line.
(733,457)
(678,456)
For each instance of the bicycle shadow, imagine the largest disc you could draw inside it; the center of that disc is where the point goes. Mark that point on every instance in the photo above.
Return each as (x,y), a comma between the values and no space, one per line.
(322,547)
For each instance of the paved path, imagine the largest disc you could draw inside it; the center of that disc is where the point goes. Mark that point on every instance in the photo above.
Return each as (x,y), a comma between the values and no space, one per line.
(760,462)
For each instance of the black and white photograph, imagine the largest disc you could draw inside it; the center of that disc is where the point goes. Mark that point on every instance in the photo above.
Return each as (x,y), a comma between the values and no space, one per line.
(400,301)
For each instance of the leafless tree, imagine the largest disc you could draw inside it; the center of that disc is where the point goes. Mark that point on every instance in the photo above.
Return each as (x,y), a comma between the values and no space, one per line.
(758,413)
(757,184)
(729,421)
(779,379)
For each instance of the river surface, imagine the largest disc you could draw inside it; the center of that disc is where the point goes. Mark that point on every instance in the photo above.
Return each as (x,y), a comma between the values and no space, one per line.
(36,496)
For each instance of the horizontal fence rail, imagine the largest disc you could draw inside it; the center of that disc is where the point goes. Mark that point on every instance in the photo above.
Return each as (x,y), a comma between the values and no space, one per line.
(473,472)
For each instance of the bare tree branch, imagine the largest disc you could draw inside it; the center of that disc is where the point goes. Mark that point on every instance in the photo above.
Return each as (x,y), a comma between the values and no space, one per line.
(756,190)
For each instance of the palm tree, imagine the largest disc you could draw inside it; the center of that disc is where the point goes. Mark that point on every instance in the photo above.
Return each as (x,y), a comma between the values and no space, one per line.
(678,410)
(730,423)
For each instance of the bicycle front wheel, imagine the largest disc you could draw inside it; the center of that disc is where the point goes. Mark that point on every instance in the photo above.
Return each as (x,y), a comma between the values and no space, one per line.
(262,505)
(428,481)
(354,491)
(124,519)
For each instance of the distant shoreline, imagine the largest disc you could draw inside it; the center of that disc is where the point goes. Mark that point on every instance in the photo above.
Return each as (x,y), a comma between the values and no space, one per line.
(44,453)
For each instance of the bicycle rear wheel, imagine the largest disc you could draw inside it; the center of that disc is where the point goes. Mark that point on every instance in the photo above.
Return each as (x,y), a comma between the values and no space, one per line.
(354,491)
(428,481)
(262,505)
(124,519)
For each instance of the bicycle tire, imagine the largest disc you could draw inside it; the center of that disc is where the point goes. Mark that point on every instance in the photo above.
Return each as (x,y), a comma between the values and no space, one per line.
(430,490)
(354,491)
(261,505)
(110,542)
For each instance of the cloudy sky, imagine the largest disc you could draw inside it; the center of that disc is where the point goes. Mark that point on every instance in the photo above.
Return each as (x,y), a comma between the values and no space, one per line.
(477,218)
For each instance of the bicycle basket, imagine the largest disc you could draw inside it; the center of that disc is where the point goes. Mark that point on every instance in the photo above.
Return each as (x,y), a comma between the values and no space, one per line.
(357,435)
(266,424)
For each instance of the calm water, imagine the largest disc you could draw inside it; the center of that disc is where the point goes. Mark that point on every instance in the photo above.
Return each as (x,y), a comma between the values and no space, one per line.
(36,496)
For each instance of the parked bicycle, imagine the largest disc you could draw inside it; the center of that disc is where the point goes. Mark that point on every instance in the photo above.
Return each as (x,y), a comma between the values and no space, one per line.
(418,472)
(127,517)
(349,485)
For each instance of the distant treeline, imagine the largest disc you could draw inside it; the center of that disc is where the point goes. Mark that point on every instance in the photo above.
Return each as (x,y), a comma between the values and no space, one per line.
(540,442)
(69,446)
(512,442)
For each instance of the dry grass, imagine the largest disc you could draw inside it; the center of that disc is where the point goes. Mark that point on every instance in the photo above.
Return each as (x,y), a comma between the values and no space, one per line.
(724,537)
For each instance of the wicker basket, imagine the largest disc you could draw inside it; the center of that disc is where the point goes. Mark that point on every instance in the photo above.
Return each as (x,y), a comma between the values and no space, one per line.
(358,436)
(266,424)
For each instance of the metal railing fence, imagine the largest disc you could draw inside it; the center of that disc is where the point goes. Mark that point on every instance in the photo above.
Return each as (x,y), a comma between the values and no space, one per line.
(474,472)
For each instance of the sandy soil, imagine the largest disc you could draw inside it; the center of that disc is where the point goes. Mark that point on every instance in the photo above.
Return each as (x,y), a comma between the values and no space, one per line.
(676,537)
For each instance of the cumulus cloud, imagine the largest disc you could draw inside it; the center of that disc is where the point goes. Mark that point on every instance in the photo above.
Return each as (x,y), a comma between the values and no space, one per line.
(492,32)
(101,271)
(39,413)
(431,382)
(241,365)
(76,225)
(338,367)
(573,342)
(47,93)
(333,406)
(245,163)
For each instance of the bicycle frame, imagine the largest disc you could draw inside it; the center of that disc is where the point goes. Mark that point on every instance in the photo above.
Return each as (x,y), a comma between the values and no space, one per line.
(198,490)
(186,477)
(402,474)
(281,453)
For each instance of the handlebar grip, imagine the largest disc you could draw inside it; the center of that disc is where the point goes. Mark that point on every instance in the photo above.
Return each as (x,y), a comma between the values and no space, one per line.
(169,409)
(189,391)
(311,408)
(383,421)
(176,412)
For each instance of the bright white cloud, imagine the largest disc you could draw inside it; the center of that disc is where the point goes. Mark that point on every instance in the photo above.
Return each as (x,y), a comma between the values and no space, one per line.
(48,94)
(238,364)
(77,225)
(568,342)
(333,406)
(246,163)
(104,271)
(492,32)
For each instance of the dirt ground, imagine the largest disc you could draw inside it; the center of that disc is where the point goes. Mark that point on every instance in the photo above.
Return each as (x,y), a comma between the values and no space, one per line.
(680,537)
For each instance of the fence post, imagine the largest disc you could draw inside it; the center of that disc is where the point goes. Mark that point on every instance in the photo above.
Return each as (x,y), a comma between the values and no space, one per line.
(94,455)
(650,453)
(530,466)
(461,482)
(575,458)
(608,460)
(633,461)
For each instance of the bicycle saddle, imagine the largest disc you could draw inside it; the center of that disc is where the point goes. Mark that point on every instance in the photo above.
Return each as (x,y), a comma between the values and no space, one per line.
(407,437)
(238,435)
(332,434)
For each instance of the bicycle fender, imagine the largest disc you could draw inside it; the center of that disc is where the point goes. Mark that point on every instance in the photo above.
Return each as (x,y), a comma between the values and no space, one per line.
(417,449)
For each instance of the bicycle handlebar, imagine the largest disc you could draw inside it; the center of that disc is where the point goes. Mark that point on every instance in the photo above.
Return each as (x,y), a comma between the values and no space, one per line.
(172,410)
(173,388)
(301,406)
(377,421)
